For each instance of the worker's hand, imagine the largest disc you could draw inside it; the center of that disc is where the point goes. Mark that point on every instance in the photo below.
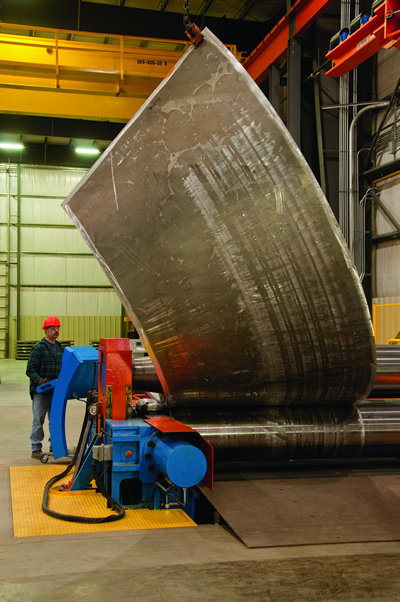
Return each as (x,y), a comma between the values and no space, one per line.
(42,381)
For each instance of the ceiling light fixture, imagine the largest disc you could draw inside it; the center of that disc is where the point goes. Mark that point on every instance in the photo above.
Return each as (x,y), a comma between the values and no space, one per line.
(87,151)
(15,146)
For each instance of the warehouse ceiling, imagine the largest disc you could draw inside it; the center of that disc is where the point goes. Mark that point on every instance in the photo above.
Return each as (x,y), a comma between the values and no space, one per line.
(254,10)
(50,136)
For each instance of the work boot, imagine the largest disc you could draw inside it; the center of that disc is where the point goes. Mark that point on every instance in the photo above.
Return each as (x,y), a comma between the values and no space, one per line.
(37,455)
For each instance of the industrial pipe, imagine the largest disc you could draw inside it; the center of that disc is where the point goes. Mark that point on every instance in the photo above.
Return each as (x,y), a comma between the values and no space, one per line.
(353,172)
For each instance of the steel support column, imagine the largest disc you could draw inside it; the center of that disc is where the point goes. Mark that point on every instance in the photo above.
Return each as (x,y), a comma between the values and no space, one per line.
(273,48)
(273,89)
(18,331)
(293,92)
(318,120)
(7,309)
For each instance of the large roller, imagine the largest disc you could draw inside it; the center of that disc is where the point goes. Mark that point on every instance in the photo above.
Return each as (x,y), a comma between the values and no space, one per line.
(366,430)
(387,378)
(222,248)
(300,433)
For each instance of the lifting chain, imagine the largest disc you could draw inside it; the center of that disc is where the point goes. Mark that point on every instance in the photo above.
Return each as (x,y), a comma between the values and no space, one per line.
(186,8)
(192,31)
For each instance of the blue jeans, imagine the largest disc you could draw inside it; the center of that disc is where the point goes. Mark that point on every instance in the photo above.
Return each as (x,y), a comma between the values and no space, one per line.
(41,405)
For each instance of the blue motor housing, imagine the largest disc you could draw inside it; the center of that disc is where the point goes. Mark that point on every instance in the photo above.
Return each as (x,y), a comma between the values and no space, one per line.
(158,470)
(184,464)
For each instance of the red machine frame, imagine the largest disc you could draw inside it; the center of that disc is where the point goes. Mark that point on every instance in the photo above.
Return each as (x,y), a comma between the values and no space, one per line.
(382,30)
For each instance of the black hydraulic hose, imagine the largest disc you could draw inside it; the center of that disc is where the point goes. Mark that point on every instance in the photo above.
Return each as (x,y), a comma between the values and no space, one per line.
(113,504)
(80,519)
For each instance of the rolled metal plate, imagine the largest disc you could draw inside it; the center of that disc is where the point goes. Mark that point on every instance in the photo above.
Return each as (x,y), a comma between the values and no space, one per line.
(222,248)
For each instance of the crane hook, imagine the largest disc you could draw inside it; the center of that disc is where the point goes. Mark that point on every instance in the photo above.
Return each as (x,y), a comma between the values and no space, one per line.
(192,31)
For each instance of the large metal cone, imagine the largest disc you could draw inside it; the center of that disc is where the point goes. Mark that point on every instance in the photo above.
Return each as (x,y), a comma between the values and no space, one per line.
(221,246)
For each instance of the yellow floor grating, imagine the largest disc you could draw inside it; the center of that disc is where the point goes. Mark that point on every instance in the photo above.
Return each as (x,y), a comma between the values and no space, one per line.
(27,484)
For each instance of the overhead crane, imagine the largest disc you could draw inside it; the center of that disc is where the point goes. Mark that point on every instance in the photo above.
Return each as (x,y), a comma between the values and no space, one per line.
(273,48)
(367,34)
(75,74)
(45,71)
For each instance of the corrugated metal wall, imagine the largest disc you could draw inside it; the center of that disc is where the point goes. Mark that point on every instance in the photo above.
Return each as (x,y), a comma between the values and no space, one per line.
(46,267)
(79,329)
(387,257)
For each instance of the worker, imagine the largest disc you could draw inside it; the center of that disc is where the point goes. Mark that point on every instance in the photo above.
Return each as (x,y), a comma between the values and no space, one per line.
(44,365)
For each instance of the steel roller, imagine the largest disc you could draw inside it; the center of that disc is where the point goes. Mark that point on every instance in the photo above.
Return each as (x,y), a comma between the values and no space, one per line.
(144,375)
(296,433)
(300,433)
(387,380)
(388,360)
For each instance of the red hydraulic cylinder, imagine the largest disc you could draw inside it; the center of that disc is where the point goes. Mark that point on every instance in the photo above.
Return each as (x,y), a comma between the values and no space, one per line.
(115,378)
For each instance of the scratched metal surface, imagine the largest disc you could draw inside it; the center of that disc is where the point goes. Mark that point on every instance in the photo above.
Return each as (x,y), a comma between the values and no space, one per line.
(222,248)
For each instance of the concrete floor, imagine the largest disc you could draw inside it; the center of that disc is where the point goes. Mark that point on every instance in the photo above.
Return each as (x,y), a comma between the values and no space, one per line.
(202,563)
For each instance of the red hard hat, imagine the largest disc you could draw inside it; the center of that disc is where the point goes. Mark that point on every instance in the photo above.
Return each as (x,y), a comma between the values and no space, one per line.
(51,321)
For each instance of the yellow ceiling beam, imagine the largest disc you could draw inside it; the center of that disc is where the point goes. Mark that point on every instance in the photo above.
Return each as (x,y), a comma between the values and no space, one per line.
(57,103)
(56,56)
(63,73)
(82,75)
(72,83)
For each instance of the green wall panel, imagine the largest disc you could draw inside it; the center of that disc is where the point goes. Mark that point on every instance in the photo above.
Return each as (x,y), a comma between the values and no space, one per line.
(80,329)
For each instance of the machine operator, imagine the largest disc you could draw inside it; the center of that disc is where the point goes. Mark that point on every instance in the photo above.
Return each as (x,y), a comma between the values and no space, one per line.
(44,365)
